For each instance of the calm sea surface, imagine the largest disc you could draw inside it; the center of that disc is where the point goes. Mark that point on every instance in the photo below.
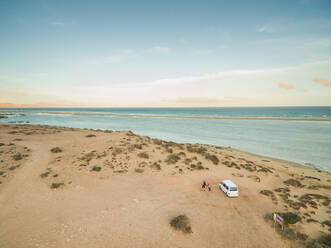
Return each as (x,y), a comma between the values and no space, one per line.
(306,142)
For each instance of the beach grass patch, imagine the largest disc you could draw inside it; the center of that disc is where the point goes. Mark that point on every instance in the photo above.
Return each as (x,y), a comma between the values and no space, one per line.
(290,218)
(139,170)
(18,156)
(156,165)
(56,150)
(117,151)
(181,223)
(90,135)
(322,242)
(212,158)
(96,168)
(172,159)
(143,155)
(45,174)
(293,182)
(56,185)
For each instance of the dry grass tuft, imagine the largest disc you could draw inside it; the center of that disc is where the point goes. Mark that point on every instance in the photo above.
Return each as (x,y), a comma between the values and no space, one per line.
(56,150)
(172,159)
(90,135)
(139,170)
(143,155)
(181,223)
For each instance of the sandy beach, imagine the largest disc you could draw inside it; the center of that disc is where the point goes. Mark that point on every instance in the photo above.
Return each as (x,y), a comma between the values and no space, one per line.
(64,187)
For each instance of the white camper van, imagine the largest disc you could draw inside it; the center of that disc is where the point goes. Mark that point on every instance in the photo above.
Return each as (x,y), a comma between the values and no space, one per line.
(229,188)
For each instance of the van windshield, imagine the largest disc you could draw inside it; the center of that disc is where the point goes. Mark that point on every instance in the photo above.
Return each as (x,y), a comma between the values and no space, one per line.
(233,189)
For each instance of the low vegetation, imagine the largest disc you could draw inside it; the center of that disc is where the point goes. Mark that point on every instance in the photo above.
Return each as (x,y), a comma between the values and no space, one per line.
(181,223)
(96,168)
(212,158)
(139,170)
(45,174)
(268,193)
(143,155)
(293,182)
(56,185)
(290,218)
(321,242)
(172,159)
(56,150)
(90,135)
(18,156)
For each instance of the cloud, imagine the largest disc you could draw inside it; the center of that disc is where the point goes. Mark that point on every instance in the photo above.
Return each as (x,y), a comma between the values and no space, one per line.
(323,81)
(125,55)
(285,85)
(60,23)
(200,101)
(203,51)
(265,29)
(213,76)
(160,50)
(35,105)
(115,57)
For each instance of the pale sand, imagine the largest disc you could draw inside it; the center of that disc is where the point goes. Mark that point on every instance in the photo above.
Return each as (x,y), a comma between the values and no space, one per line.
(131,209)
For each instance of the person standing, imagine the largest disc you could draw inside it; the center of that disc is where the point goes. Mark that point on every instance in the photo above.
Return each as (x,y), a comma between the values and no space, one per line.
(203,185)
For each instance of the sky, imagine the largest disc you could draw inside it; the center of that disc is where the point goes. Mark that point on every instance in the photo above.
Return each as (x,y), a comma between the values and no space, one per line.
(165,53)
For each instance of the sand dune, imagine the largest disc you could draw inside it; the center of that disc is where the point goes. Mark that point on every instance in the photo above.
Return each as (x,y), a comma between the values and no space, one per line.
(118,189)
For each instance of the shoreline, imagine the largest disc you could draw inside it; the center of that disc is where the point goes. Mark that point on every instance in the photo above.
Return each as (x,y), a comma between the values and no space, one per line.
(170,116)
(293,163)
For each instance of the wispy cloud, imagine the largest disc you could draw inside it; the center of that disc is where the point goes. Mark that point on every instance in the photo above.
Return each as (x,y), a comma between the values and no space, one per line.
(61,23)
(323,81)
(265,29)
(213,76)
(125,55)
(201,101)
(115,57)
(285,85)
(202,51)
(160,50)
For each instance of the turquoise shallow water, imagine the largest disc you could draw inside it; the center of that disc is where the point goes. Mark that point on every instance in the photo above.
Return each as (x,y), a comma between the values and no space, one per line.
(300,141)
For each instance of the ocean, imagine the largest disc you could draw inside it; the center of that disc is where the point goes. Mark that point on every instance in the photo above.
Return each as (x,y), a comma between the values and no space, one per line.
(302,140)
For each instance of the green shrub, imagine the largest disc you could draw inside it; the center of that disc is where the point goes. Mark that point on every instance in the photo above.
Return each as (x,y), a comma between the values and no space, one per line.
(267,193)
(18,156)
(56,185)
(293,182)
(212,158)
(96,168)
(182,223)
(290,218)
(45,174)
(90,135)
(156,165)
(172,159)
(56,150)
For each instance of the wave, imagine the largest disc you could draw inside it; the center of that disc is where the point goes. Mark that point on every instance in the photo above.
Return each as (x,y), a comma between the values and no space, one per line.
(306,118)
